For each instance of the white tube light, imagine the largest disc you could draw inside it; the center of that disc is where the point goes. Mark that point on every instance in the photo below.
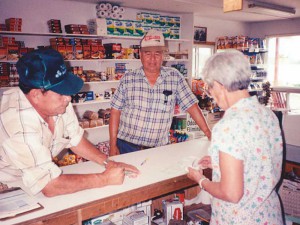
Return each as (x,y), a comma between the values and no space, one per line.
(272,7)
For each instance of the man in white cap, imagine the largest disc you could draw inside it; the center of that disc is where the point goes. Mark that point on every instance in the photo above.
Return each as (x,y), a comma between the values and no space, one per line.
(143,105)
(37,122)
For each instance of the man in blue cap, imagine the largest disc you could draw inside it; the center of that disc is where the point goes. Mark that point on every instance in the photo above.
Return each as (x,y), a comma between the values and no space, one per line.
(37,122)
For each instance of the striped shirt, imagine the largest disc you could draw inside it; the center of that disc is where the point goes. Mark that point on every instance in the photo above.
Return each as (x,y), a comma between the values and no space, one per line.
(27,146)
(147,112)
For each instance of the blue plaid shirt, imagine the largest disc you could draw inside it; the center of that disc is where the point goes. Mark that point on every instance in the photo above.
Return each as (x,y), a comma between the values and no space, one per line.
(147,112)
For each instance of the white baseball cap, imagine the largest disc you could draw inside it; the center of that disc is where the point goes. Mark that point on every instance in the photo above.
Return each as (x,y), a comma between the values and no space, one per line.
(153,40)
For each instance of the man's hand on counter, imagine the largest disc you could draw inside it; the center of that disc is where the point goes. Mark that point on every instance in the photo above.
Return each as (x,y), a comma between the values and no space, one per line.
(129,170)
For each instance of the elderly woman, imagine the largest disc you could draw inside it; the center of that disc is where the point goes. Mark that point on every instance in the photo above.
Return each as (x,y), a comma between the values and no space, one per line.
(246,148)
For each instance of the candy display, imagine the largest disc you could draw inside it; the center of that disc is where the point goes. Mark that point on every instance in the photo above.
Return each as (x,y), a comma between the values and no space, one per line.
(14,24)
(54,26)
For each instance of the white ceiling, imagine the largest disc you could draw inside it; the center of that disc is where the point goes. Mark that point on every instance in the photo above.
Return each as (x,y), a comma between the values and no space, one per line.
(207,8)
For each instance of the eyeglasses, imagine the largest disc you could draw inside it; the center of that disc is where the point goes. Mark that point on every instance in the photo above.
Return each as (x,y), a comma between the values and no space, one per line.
(206,90)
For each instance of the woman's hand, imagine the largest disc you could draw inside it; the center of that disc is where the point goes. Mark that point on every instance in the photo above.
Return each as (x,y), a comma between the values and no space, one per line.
(205,162)
(195,175)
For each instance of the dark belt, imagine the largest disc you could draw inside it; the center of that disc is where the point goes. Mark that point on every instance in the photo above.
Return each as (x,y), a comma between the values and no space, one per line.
(140,147)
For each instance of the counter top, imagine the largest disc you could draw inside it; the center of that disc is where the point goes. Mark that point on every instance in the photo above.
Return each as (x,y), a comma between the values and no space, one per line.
(162,172)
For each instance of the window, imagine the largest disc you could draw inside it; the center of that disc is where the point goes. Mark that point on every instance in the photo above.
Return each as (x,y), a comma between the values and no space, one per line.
(283,66)
(200,54)
(284,61)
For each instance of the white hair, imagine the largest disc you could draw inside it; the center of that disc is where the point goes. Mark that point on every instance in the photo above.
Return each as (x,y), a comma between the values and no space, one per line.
(231,69)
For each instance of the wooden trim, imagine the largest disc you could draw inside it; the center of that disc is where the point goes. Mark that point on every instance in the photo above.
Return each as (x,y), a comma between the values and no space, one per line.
(77,214)
(103,206)
(204,43)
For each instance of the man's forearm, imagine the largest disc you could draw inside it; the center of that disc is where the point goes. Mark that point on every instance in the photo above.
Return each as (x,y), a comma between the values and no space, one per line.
(200,120)
(89,151)
(113,130)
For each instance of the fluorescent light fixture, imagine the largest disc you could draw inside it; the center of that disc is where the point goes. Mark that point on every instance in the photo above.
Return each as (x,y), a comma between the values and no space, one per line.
(269,7)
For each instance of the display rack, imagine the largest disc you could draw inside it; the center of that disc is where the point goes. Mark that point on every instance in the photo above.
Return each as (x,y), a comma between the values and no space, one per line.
(99,134)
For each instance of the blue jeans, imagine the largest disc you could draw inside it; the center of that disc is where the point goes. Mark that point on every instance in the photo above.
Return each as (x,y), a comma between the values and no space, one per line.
(126,147)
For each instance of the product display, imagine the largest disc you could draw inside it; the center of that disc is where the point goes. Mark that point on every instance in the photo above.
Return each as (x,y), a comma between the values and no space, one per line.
(54,26)
(14,24)
(108,10)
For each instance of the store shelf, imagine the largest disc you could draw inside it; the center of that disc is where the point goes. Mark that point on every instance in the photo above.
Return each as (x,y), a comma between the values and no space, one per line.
(6,88)
(105,60)
(258,78)
(103,82)
(8,61)
(81,36)
(96,128)
(254,90)
(179,47)
(92,102)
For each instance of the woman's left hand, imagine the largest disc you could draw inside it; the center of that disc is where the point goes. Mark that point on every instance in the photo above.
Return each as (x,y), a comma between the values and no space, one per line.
(195,175)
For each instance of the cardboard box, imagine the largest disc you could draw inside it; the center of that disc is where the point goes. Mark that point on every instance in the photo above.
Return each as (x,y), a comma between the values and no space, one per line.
(3,53)
(145,206)
(169,210)
(213,118)
(136,218)
(290,195)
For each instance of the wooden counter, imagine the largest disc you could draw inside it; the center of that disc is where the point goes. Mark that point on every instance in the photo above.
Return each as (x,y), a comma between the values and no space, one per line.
(163,173)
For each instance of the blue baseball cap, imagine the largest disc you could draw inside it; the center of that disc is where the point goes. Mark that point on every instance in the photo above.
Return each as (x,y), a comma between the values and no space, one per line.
(46,69)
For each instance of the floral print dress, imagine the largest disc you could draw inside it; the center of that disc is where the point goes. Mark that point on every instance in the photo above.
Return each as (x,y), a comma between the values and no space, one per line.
(249,132)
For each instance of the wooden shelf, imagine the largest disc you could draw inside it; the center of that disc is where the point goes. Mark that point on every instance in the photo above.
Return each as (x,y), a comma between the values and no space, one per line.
(92,102)
(82,36)
(96,128)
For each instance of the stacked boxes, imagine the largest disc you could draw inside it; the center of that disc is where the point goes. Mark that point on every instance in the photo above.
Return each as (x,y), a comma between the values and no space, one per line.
(136,218)
(168,25)
(3,27)
(108,10)
(97,26)
(12,50)
(4,74)
(14,24)
(135,214)
(54,26)
(76,29)
(9,76)
(241,42)
(77,48)
(172,210)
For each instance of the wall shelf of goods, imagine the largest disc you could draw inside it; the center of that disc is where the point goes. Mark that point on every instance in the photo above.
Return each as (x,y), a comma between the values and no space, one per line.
(99,59)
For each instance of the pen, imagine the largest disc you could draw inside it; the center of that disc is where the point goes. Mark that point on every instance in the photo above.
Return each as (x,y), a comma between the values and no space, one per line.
(144,161)
(200,217)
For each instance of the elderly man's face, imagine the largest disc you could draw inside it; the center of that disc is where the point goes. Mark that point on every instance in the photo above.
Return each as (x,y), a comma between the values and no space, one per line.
(152,60)
(52,104)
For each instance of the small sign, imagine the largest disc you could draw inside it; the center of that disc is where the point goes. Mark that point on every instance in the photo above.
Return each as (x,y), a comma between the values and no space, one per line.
(232,5)
(191,125)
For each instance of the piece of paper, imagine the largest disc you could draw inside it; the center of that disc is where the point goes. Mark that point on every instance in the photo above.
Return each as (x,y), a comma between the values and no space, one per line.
(15,201)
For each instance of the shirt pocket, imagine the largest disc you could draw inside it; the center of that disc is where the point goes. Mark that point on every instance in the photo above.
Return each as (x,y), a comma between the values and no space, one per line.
(165,104)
